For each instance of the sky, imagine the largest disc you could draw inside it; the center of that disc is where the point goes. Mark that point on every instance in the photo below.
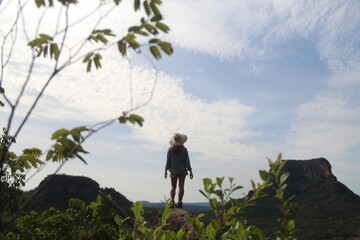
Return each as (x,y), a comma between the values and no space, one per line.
(248,80)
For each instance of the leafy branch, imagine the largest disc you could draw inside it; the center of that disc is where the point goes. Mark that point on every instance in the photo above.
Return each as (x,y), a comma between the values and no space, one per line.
(68,143)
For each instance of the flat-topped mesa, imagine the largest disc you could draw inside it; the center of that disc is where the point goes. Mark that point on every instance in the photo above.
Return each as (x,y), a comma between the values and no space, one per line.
(59,189)
(315,169)
(309,176)
(71,184)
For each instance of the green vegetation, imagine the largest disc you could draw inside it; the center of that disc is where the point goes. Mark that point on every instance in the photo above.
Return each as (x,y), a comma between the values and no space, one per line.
(100,220)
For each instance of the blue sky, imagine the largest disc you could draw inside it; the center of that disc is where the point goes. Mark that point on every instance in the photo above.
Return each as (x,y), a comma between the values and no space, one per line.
(247,80)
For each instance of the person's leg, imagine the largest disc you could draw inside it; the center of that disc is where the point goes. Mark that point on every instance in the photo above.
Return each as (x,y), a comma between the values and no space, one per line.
(181,190)
(173,188)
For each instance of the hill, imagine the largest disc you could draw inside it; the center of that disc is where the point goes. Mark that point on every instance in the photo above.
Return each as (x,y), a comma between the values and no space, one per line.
(59,189)
(326,208)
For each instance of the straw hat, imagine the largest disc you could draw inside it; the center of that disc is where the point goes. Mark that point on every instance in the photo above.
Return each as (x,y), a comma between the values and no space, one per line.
(178,139)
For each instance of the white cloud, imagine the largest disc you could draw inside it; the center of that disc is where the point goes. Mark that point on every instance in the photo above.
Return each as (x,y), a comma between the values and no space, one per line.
(214,128)
(249,29)
(326,126)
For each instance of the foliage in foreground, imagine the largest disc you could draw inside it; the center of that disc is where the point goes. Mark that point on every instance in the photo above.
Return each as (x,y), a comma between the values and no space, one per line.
(99,219)
(50,47)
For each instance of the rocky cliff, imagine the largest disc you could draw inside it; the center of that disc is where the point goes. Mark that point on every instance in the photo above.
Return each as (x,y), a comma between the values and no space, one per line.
(318,168)
(326,208)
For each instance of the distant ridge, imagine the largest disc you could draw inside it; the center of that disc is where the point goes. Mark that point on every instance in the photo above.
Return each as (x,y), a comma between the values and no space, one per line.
(192,207)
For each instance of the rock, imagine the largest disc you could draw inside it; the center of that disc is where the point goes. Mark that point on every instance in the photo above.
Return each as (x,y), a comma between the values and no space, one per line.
(176,221)
(318,168)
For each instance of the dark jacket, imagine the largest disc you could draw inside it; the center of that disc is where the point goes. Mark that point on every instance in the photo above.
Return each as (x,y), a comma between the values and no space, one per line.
(178,161)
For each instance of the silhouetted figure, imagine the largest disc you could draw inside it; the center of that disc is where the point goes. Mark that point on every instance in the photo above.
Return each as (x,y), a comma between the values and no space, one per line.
(178,163)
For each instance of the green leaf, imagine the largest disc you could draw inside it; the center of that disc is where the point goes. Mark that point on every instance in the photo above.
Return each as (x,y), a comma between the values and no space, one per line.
(264,175)
(102,39)
(150,28)
(97,61)
(207,182)
(231,211)
(163,27)
(156,18)
(122,47)
(134,28)
(141,33)
(147,8)
(117,2)
(136,5)
(80,157)
(88,68)
(54,51)
(219,181)
(213,203)
(155,52)
(37,152)
(26,164)
(154,40)
(137,210)
(60,133)
(136,118)
(291,225)
(253,184)
(203,193)
(167,48)
(236,188)
(123,119)
(76,133)
(88,56)
(68,2)
(49,155)
(108,32)
(165,216)
(154,9)
(284,177)
(210,231)
(45,51)
(39,3)
(134,44)
(180,234)
(66,143)
(45,38)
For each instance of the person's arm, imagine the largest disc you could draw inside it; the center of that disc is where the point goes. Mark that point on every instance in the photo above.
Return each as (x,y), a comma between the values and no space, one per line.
(188,165)
(191,174)
(168,163)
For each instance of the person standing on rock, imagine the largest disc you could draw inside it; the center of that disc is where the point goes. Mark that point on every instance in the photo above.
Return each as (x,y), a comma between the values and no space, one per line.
(178,163)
